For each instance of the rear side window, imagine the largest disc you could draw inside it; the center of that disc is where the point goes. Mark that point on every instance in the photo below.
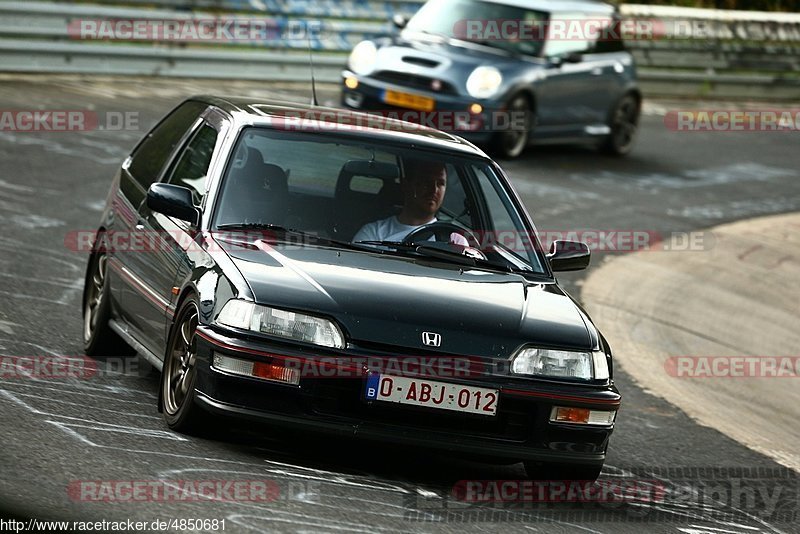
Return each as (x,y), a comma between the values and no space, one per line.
(151,155)
(567,34)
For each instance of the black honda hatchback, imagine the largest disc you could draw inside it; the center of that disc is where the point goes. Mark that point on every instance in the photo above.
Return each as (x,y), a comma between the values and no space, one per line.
(341,273)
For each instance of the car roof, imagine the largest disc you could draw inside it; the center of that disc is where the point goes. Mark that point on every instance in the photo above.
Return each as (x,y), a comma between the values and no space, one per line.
(275,113)
(580,6)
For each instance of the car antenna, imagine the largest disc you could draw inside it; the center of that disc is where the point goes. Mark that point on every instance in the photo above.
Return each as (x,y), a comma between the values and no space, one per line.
(311,61)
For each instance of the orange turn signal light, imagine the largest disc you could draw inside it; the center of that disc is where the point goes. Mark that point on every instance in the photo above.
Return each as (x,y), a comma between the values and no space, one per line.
(572,415)
(270,371)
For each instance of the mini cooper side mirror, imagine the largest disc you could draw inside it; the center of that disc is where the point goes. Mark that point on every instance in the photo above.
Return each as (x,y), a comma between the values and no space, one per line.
(572,57)
(174,201)
(399,20)
(569,255)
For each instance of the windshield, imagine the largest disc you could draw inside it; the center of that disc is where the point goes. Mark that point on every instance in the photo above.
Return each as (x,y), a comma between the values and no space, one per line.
(374,196)
(514,29)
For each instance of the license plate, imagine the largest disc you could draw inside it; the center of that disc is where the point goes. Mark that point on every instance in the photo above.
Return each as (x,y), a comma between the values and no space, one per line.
(430,394)
(407,100)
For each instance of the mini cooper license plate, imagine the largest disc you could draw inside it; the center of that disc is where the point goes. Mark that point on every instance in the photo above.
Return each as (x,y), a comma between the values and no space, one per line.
(431,394)
(406,100)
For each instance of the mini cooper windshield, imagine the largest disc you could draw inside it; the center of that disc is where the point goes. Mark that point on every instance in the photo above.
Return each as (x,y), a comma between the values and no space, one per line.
(334,190)
(483,22)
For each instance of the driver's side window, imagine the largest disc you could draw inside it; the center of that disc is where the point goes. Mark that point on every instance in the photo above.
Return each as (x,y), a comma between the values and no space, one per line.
(567,33)
(191,168)
(454,207)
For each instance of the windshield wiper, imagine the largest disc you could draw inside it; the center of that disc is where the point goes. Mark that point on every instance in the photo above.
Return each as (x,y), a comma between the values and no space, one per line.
(428,33)
(316,239)
(441,253)
(459,257)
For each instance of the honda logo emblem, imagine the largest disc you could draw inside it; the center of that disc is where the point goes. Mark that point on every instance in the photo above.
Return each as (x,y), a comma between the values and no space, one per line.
(432,339)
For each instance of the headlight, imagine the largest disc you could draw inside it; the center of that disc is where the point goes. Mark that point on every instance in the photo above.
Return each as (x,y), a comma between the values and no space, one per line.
(560,364)
(363,57)
(484,82)
(281,323)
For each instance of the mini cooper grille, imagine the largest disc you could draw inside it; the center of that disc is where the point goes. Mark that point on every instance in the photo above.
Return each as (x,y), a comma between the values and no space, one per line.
(342,398)
(414,81)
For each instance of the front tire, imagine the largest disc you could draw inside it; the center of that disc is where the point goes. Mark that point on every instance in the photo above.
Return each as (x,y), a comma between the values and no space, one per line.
(179,375)
(511,143)
(624,124)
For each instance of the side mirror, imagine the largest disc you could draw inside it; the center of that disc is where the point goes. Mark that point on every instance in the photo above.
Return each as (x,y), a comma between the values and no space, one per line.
(174,201)
(569,255)
(399,21)
(572,57)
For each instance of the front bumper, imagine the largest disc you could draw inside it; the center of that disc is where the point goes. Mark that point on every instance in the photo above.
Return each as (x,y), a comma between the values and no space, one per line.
(521,430)
(451,113)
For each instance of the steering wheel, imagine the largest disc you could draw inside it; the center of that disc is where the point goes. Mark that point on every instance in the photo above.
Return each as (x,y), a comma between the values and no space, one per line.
(441,231)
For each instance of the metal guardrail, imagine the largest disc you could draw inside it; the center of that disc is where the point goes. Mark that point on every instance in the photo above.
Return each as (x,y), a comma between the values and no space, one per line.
(74,58)
(38,37)
(380,10)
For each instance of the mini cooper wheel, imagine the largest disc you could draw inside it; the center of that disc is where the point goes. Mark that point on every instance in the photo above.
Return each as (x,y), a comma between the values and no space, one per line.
(513,141)
(623,124)
(98,338)
(179,374)
(562,472)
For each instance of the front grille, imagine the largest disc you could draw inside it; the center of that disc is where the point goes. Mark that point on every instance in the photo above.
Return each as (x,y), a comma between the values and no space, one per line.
(414,81)
(343,398)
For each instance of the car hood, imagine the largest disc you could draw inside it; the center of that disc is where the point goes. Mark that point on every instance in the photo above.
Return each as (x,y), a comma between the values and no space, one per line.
(450,60)
(387,300)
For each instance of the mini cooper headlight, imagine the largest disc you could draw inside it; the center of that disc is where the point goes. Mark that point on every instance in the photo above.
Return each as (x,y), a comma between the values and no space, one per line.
(560,364)
(484,82)
(363,58)
(276,322)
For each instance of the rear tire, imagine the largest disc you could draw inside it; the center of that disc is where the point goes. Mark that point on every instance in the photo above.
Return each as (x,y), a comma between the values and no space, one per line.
(179,375)
(538,471)
(98,338)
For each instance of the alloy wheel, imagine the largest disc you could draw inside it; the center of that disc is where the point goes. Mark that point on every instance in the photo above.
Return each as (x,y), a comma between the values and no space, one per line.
(180,368)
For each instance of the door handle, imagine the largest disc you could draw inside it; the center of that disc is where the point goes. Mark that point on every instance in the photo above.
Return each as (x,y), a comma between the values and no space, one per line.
(597,71)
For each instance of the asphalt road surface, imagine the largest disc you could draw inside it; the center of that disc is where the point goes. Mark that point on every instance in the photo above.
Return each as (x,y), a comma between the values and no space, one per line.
(61,436)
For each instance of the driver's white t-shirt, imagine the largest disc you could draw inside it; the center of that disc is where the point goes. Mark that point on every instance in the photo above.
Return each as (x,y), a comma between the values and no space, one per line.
(390,229)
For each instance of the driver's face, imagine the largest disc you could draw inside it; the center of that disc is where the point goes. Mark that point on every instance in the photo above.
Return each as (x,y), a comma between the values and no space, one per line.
(425,191)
